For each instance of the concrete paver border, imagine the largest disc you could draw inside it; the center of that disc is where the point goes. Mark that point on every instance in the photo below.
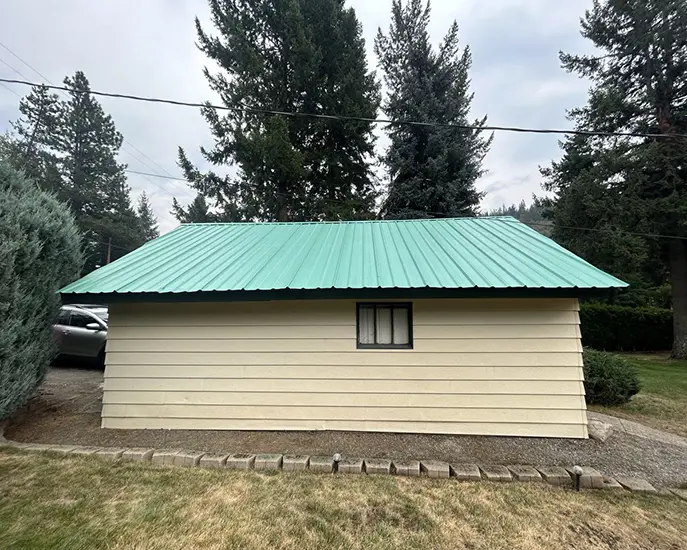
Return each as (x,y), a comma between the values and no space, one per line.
(556,475)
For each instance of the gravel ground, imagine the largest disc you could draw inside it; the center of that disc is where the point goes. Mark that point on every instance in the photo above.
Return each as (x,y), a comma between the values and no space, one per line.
(67,411)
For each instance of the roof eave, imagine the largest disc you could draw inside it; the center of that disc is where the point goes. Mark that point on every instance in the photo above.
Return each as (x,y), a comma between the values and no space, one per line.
(333,294)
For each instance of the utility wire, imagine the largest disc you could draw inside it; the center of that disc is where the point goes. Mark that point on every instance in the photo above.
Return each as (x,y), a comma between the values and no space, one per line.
(10,90)
(354,118)
(607,230)
(157,176)
(146,174)
(444,215)
(6,64)
(113,245)
(360,119)
(16,71)
(25,63)
(151,160)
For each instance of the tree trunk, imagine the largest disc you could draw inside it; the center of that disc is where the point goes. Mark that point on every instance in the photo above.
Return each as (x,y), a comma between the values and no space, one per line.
(678,280)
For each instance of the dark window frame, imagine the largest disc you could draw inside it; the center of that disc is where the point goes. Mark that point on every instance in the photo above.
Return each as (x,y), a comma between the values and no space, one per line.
(408,306)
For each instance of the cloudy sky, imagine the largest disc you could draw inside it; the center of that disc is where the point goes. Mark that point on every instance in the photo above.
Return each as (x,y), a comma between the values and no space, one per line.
(147,48)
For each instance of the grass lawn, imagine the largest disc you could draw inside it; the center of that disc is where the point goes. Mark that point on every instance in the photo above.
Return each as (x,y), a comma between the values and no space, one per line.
(662,401)
(80,502)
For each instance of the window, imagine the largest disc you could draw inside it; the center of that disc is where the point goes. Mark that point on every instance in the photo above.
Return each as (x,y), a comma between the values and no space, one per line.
(385,326)
(62,317)
(79,319)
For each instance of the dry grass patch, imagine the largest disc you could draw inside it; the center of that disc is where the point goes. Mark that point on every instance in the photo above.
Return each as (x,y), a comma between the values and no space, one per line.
(82,502)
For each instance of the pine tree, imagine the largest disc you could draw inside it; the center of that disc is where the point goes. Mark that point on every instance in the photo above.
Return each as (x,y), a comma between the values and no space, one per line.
(620,184)
(303,56)
(146,218)
(196,212)
(34,138)
(432,170)
(94,182)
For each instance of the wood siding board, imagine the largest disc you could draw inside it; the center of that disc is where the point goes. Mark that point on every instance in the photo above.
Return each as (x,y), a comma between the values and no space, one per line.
(483,387)
(349,372)
(307,345)
(294,399)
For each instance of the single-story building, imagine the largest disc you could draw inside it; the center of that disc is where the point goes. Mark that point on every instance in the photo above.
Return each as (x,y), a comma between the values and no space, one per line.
(452,326)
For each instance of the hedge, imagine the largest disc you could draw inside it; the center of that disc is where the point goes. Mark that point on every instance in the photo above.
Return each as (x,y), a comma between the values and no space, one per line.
(39,252)
(619,328)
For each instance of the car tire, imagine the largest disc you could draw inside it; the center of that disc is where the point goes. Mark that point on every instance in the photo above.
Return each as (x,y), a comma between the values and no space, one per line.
(101,358)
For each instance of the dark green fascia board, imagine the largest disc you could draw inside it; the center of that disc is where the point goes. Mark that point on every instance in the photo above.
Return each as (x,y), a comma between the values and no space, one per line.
(334,294)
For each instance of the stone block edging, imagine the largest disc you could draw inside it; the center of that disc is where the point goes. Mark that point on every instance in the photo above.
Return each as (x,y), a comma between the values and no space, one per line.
(556,475)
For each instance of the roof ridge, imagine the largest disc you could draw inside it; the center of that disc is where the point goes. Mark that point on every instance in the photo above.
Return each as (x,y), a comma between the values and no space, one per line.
(341,222)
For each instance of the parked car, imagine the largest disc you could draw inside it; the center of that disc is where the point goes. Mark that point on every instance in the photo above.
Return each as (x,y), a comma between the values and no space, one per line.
(81,331)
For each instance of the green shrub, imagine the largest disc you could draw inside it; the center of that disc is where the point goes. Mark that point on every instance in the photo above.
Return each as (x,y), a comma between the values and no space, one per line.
(620,328)
(39,252)
(608,379)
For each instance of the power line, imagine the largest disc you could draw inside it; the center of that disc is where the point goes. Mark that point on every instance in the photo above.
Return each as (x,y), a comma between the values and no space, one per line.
(444,215)
(158,176)
(16,71)
(146,174)
(10,67)
(10,90)
(25,63)
(151,160)
(155,173)
(353,118)
(360,119)
(607,230)
(113,246)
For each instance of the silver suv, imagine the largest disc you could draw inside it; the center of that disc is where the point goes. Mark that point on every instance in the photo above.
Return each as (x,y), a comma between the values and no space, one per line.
(81,331)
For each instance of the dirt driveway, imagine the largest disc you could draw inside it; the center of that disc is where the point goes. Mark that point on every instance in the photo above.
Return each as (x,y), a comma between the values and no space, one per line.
(66,410)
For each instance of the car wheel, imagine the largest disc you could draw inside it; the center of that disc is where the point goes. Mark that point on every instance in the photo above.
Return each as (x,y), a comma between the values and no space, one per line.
(101,358)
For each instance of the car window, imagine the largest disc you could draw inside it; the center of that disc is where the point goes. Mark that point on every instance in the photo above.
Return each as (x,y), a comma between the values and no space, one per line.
(79,319)
(62,318)
(101,312)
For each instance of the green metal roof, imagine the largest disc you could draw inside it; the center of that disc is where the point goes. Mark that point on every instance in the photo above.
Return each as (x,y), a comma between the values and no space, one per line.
(456,253)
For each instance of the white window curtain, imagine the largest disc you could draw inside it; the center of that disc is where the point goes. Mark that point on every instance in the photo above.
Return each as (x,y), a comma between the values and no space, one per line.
(366,325)
(401,333)
(384,325)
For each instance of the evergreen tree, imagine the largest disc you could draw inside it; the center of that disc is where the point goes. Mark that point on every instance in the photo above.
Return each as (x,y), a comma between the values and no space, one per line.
(70,147)
(304,56)
(197,212)
(532,215)
(94,183)
(146,218)
(39,253)
(34,138)
(432,170)
(619,184)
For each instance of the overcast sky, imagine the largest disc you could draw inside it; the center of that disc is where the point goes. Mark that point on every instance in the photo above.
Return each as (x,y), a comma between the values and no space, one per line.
(148,48)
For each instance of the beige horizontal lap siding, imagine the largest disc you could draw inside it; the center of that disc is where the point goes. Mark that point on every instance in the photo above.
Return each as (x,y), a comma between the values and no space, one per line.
(493,367)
